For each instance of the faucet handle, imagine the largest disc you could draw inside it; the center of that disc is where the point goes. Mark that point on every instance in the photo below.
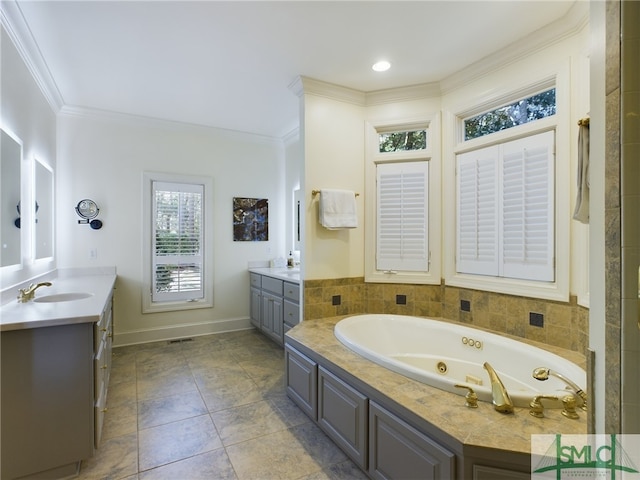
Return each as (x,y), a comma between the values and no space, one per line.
(569,410)
(537,409)
(471,397)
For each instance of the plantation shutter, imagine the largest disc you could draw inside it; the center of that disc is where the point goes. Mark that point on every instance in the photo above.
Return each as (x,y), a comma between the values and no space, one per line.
(402,216)
(478,212)
(177,241)
(527,197)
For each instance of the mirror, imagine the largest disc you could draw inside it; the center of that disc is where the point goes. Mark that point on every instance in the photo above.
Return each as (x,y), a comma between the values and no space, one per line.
(297,225)
(44,210)
(10,164)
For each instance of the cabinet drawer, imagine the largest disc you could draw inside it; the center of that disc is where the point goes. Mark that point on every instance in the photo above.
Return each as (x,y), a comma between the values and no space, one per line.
(291,313)
(272,284)
(292,291)
(342,414)
(255,280)
(101,369)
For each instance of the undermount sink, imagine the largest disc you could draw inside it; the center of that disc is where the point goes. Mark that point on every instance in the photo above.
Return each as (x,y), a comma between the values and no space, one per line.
(62,297)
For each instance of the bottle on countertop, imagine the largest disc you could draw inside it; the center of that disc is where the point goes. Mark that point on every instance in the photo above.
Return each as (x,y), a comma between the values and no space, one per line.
(290,260)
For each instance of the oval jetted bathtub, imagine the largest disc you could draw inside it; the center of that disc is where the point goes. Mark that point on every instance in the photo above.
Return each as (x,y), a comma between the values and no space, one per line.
(443,354)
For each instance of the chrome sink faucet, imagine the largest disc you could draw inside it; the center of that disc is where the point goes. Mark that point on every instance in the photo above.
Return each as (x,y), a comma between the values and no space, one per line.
(501,400)
(26,294)
(543,373)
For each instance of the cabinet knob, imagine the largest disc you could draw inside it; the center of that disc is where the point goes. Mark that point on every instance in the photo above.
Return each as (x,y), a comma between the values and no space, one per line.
(104,367)
(104,410)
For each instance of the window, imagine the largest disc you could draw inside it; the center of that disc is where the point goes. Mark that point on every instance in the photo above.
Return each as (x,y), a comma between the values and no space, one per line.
(177,241)
(402,208)
(399,141)
(403,239)
(506,209)
(177,266)
(523,111)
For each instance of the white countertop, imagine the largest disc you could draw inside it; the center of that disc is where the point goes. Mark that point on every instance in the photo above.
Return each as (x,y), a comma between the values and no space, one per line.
(19,316)
(287,274)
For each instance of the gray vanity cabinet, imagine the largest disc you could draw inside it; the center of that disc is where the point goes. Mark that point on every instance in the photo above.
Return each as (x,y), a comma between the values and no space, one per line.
(274,305)
(342,414)
(397,450)
(53,396)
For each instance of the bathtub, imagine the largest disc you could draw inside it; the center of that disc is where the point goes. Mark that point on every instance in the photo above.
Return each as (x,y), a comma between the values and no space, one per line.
(443,354)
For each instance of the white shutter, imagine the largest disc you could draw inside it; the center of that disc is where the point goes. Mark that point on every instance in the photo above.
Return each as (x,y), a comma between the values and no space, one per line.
(177,241)
(527,217)
(478,212)
(402,216)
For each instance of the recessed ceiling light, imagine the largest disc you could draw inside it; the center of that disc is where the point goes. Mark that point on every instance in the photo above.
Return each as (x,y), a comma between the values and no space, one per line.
(381,66)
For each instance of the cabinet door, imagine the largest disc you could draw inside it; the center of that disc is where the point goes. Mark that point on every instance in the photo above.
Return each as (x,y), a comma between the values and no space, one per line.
(272,316)
(342,414)
(301,375)
(254,307)
(397,450)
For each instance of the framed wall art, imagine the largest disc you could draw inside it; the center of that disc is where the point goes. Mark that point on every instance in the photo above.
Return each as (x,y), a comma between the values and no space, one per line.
(250,219)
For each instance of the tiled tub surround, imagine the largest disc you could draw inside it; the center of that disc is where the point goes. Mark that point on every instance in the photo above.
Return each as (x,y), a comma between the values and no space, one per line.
(469,433)
(566,325)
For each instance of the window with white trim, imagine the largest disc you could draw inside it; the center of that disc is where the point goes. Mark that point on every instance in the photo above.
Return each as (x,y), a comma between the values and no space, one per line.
(505,203)
(177,241)
(402,211)
(177,227)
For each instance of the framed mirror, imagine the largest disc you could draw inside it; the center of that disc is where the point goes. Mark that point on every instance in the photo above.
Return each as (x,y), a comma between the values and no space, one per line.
(10,166)
(43,179)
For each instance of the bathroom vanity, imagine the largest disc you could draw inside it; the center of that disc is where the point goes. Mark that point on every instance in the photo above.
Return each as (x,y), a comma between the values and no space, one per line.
(56,360)
(274,301)
(394,427)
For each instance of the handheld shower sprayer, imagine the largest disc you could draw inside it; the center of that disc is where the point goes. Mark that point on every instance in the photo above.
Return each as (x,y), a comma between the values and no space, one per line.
(543,373)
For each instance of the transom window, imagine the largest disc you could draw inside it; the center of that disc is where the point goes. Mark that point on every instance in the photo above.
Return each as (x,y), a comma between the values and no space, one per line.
(523,111)
(403,141)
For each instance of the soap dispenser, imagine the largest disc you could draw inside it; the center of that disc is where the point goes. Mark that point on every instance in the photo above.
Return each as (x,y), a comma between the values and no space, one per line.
(290,260)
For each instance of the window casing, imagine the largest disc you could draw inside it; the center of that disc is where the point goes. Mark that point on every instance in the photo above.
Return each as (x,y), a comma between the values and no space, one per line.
(177,231)
(558,288)
(402,211)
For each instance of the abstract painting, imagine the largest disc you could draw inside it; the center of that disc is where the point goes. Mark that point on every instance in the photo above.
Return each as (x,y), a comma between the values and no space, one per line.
(250,219)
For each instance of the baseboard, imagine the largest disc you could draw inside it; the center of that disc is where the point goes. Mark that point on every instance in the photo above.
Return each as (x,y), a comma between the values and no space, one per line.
(180,331)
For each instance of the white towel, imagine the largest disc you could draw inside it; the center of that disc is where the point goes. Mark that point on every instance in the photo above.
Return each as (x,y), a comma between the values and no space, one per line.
(337,209)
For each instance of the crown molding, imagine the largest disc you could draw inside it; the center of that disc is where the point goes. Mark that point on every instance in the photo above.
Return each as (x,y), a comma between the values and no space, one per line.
(15,25)
(574,21)
(150,122)
(403,94)
(305,85)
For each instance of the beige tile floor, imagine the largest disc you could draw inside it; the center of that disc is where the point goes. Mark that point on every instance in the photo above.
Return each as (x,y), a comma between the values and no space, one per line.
(210,408)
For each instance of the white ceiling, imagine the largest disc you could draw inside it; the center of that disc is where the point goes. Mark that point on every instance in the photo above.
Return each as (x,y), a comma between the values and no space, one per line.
(230,64)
